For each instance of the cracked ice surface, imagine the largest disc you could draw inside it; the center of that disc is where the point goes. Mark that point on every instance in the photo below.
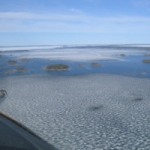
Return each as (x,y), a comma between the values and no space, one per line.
(87,112)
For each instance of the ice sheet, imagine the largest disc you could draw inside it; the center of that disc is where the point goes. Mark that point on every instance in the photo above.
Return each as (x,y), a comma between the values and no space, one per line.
(74,53)
(85,112)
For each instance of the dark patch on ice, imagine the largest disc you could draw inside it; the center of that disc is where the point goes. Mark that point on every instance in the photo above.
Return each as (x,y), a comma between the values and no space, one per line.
(2,93)
(94,108)
(138,99)
(121,55)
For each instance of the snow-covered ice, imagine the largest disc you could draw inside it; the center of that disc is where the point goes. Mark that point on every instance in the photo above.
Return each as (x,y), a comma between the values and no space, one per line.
(74,53)
(84,112)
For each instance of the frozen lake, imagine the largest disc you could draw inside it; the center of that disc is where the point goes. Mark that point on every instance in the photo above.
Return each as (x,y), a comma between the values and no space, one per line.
(98,111)
(113,59)
(100,103)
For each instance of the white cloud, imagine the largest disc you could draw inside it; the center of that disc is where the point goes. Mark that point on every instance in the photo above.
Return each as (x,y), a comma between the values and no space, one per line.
(78,22)
(76,10)
(69,17)
(25,15)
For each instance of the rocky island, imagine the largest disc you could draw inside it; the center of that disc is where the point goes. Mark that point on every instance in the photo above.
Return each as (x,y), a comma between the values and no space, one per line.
(57,67)
(96,64)
(146,61)
(21,69)
(12,62)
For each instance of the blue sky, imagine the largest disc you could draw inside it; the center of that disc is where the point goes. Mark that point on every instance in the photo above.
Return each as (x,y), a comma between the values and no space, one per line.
(58,22)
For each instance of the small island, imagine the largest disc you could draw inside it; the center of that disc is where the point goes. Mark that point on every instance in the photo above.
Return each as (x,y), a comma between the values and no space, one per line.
(24,59)
(96,64)
(81,65)
(146,61)
(147,54)
(12,62)
(21,69)
(10,71)
(57,67)
(143,73)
